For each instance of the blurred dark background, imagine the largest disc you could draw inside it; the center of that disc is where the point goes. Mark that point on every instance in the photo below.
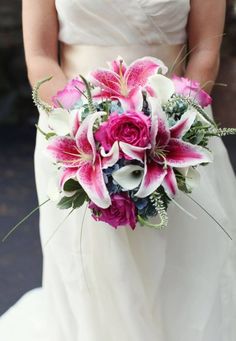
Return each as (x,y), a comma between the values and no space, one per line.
(20,256)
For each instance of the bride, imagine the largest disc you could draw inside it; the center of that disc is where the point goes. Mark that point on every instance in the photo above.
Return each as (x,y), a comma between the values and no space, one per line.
(123,285)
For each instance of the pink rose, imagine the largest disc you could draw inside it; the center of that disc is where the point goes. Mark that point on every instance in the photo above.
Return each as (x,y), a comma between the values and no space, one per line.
(191,88)
(130,127)
(69,95)
(120,213)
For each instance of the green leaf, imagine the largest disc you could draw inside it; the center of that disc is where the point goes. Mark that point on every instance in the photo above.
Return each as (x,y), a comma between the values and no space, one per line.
(65,203)
(79,199)
(49,135)
(71,185)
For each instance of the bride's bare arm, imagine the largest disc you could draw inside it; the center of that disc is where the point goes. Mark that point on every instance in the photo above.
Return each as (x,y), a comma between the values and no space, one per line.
(205,28)
(40,31)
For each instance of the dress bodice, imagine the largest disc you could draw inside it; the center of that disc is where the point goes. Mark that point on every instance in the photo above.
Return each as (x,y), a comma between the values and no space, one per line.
(122,22)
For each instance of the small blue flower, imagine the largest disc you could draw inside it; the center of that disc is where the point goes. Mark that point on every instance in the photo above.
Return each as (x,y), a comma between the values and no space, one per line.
(78,104)
(116,107)
(141,203)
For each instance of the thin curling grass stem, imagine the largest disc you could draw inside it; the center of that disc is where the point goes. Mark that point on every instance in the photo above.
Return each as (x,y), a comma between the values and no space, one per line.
(36,98)
(23,220)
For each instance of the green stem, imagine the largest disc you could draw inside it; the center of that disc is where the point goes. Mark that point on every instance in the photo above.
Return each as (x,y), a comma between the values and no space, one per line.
(91,106)
(22,221)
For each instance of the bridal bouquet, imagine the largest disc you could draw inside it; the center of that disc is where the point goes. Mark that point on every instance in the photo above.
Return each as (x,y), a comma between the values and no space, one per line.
(126,140)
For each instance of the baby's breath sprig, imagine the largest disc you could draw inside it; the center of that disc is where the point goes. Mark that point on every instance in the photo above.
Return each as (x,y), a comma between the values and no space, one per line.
(159,205)
(37,100)
(222,131)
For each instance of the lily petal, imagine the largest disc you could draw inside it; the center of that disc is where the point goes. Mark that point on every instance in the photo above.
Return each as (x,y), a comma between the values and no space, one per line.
(85,137)
(183,125)
(91,178)
(184,154)
(163,87)
(110,158)
(68,173)
(115,65)
(74,121)
(134,152)
(128,177)
(163,133)
(65,151)
(58,121)
(134,100)
(141,69)
(170,183)
(159,127)
(106,79)
(154,175)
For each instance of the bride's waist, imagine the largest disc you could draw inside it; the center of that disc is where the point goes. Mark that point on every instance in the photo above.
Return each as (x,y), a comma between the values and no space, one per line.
(80,59)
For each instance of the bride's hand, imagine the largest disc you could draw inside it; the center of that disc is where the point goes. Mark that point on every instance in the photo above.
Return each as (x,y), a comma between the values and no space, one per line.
(40,31)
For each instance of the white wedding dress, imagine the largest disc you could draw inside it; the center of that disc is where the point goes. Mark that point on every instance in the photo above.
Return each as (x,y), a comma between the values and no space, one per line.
(178,284)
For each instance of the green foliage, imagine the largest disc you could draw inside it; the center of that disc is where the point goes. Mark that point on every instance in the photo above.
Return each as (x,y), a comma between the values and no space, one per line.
(197,134)
(72,185)
(181,182)
(74,201)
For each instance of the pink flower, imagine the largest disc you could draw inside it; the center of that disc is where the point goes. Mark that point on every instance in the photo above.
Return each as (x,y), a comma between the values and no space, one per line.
(126,83)
(79,158)
(69,95)
(129,127)
(191,88)
(120,213)
(168,151)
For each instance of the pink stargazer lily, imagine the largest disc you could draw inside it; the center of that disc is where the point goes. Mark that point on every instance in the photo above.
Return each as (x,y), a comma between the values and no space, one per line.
(167,152)
(126,82)
(80,160)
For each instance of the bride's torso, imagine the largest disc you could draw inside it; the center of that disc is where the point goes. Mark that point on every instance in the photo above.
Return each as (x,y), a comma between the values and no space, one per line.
(94,31)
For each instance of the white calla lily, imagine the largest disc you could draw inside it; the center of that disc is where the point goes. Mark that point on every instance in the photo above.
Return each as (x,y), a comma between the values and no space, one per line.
(59,121)
(128,177)
(163,87)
